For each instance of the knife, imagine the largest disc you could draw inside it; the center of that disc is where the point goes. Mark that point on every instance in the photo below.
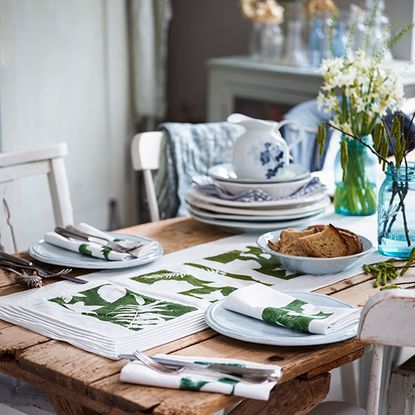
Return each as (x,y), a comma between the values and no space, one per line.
(15,259)
(225,368)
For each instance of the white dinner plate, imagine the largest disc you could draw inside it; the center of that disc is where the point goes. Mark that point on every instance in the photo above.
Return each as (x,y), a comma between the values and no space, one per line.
(269,214)
(50,254)
(272,204)
(251,330)
(213,215)
(257,226)
(225,172)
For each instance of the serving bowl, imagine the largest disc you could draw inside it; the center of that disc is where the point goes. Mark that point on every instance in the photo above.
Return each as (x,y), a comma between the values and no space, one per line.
(311,265)
(275,190)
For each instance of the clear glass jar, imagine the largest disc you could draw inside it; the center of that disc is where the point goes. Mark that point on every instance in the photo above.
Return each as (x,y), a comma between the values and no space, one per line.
(272,43)
(396,212)
(355,193)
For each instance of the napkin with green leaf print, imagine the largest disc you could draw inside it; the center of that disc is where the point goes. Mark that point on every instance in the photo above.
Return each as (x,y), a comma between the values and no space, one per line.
(206,381)
(84,248)
(275,307)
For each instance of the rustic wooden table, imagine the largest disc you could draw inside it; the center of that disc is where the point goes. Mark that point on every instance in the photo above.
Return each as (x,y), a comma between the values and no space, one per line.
(81,383)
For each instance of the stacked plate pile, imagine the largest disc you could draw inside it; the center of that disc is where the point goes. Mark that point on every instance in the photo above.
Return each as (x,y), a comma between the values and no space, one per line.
(282,209)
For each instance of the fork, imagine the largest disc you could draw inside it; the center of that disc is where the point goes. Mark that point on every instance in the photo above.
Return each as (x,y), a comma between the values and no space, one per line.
(161,368)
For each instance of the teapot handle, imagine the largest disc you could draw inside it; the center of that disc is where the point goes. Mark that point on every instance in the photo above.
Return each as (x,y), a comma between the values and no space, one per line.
(300,131)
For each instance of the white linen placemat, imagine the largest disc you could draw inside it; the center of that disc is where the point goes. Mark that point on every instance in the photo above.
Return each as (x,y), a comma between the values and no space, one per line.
(193,277)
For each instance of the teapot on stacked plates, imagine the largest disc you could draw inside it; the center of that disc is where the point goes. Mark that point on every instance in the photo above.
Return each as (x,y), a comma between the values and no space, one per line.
(261,189)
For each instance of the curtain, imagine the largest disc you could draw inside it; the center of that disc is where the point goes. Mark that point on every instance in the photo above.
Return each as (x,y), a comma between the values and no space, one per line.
(149,21)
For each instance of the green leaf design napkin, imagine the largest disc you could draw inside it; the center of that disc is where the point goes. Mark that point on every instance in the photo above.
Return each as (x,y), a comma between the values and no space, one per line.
(84,248)
(274,307)
(135,372)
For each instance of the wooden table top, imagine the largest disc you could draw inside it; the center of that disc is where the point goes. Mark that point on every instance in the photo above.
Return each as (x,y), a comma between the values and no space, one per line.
(68,371)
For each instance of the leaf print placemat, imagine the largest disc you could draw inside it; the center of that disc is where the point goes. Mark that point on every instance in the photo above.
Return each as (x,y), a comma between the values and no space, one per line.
(120,310)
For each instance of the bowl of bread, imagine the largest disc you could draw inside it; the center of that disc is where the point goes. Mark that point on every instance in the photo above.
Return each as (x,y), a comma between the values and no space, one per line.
(318,249)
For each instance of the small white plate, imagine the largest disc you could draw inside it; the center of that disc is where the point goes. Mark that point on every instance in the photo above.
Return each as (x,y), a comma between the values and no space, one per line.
(213,215)
(256,227)
(50,254)
(251,330)
(225,172)
(273,204)
(313,266)
(269,214)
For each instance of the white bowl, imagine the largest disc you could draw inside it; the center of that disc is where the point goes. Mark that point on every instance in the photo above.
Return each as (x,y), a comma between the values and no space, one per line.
(314,266)
(275,190)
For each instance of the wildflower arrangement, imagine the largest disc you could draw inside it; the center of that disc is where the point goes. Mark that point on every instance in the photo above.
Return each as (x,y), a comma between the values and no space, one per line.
(358,90)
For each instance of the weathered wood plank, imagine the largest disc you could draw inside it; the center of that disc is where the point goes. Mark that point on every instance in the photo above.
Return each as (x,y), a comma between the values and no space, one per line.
(14,339)
(296,397)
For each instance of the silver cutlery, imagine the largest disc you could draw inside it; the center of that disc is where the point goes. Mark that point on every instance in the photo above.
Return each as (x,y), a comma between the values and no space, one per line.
(72,232)
(43,273)
(172,366)
(15,259)
(125,245)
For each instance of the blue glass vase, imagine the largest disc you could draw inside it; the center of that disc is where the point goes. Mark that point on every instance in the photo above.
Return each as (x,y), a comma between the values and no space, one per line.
(355,193)
(396,212)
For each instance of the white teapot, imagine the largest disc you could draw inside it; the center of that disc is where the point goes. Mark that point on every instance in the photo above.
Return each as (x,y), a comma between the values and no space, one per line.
(261,152)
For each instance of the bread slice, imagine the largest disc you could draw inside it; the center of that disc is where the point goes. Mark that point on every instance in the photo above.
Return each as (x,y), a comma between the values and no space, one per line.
(326,244)
(274,245)
(290,235)
(294,248)
(354,245)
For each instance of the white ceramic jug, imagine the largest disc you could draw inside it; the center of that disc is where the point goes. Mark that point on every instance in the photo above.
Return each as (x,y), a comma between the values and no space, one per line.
(261,152)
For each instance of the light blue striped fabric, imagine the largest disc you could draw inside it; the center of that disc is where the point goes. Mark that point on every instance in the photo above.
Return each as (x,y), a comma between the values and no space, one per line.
(189,150)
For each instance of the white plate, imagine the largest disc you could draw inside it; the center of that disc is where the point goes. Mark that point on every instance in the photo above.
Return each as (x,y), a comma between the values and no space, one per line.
(269,214)
(50,254)
(315,266)
(225,172)
(257,226)
(212,215)
(251,330)
(273,204)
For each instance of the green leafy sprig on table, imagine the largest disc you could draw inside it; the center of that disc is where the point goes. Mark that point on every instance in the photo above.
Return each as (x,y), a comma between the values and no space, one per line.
(385,272)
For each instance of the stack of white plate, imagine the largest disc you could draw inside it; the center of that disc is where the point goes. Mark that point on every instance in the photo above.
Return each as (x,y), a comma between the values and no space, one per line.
(262,215)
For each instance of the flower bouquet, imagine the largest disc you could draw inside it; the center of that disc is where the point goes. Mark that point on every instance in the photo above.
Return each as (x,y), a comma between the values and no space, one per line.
(358,90)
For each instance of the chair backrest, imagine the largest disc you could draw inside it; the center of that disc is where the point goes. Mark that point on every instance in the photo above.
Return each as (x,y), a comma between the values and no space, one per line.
(145,154)
(388,318)
(22,164)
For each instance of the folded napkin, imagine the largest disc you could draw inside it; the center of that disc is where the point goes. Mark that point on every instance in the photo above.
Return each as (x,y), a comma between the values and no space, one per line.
(136,372)
(274,307)
(85,248)
(207,185)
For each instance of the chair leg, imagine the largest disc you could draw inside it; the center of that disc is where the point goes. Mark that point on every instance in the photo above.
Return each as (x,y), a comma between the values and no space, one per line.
(348,382)
(375,383)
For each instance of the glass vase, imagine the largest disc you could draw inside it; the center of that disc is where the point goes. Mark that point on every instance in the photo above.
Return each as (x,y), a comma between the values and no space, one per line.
(396,212)
(355,193)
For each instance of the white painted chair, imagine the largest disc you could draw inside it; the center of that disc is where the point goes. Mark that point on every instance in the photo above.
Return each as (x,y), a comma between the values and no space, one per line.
(47,161)
(145,154)
(388,319)
(15,166)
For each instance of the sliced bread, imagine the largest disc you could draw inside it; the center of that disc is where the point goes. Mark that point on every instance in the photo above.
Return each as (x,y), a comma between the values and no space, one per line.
(328,243)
